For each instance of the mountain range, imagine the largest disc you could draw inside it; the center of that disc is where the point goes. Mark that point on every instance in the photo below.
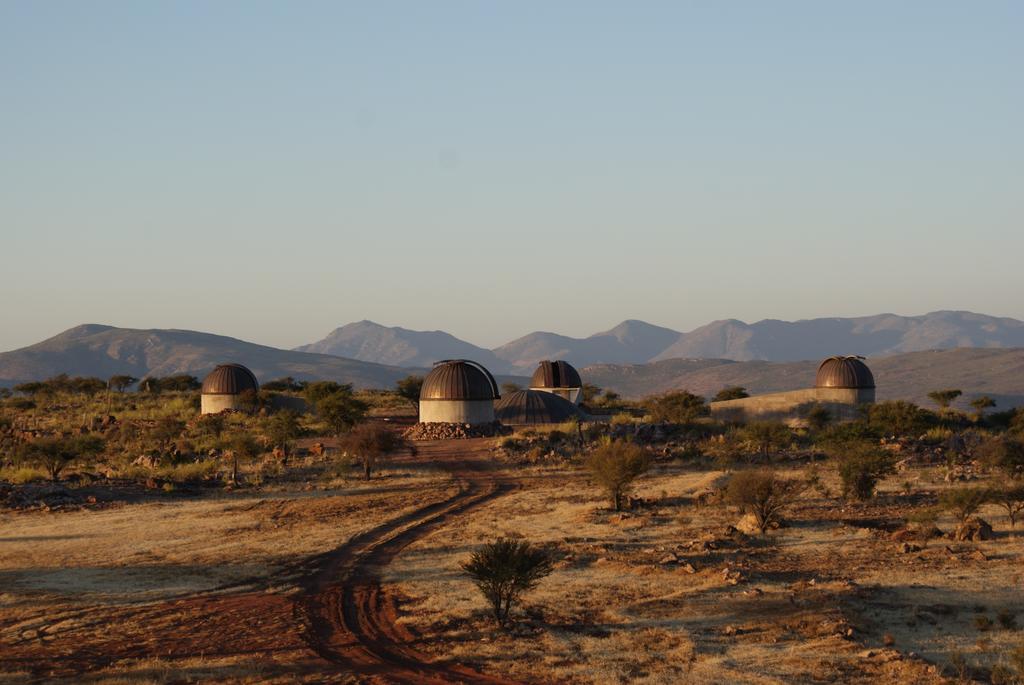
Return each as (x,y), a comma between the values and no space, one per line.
(910,356)
(638,342)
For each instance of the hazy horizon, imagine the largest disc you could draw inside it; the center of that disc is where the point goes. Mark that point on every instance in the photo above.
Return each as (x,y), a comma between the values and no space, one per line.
(273,171)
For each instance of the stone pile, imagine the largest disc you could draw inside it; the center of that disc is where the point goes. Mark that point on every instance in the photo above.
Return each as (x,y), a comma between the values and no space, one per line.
(454,431)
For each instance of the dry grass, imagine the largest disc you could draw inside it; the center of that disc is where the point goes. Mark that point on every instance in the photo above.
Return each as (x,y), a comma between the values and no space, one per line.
(830,597)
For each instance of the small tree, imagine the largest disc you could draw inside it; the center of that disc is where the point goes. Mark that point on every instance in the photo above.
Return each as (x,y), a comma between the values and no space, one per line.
(732,392)
(54,454)
(504,569)
(963,502)
(341,410)
(368,442)
(677,407)
(589,393)
(409,388)
(1012,500)
(1004,453)
(509,388)
(767,436)
(318,390)
(242,447)
(122,382)
(762,494)
(614,465)
(282,428)
(861,466)
(286,384)
(943,398)
(980,404)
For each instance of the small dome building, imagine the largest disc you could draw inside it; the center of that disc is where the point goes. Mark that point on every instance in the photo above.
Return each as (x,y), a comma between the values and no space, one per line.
(842,384)
(844,372)
(228,386)
(535,406)
(559,378)
(458,391)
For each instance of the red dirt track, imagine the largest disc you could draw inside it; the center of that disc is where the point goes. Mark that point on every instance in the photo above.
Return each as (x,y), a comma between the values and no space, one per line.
(351,617)
(342,612)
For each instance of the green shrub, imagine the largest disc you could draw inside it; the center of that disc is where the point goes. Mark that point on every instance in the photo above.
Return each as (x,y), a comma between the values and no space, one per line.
(1010,498)
(767,437)
(504,569)
(732,392)
(897,418)
(936,435)
(861,466)
(20,475)
(677,407)
(964,502)
(762,494)
(1003,452)
(614,465)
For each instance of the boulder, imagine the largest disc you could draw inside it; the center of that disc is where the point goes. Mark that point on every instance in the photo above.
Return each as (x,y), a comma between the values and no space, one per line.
(973,529)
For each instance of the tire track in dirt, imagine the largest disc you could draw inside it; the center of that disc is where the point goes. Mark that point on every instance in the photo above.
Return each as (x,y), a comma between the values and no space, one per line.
(351,618)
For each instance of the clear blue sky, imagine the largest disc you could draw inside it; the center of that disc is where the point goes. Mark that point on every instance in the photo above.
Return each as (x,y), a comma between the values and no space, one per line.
(273,170)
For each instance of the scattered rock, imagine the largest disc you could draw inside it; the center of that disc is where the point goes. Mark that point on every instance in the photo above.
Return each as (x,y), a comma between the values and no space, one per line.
(908,547)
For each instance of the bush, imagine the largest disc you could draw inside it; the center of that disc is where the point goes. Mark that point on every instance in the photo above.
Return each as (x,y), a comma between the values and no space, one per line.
(1010,498)
(767,436)
(963,502)
(677,407)
(504,569)
(762,494)
(368,442)
(340,410)
(861,466)
(898,418)
(614,466)
(1004,453)
(22,474)
(733,392)
(54,454)
(936,435)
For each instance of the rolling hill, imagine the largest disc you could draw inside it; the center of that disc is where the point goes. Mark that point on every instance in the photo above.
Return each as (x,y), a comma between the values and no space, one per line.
(998,373)
(96,350)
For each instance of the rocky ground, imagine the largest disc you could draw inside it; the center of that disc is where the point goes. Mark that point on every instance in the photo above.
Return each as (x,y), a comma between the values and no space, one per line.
(238,586)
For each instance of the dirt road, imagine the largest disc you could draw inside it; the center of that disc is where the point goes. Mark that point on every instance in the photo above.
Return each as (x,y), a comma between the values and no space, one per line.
(341,611)
(351,618)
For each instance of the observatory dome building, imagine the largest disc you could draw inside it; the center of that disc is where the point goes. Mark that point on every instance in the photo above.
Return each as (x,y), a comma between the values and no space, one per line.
(845,373)
(458,391)
(841,385)
(535,406)
(227,387)
(559,378)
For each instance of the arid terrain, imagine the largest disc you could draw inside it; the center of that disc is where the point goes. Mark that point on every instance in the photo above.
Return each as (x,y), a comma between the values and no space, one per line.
(353,581)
